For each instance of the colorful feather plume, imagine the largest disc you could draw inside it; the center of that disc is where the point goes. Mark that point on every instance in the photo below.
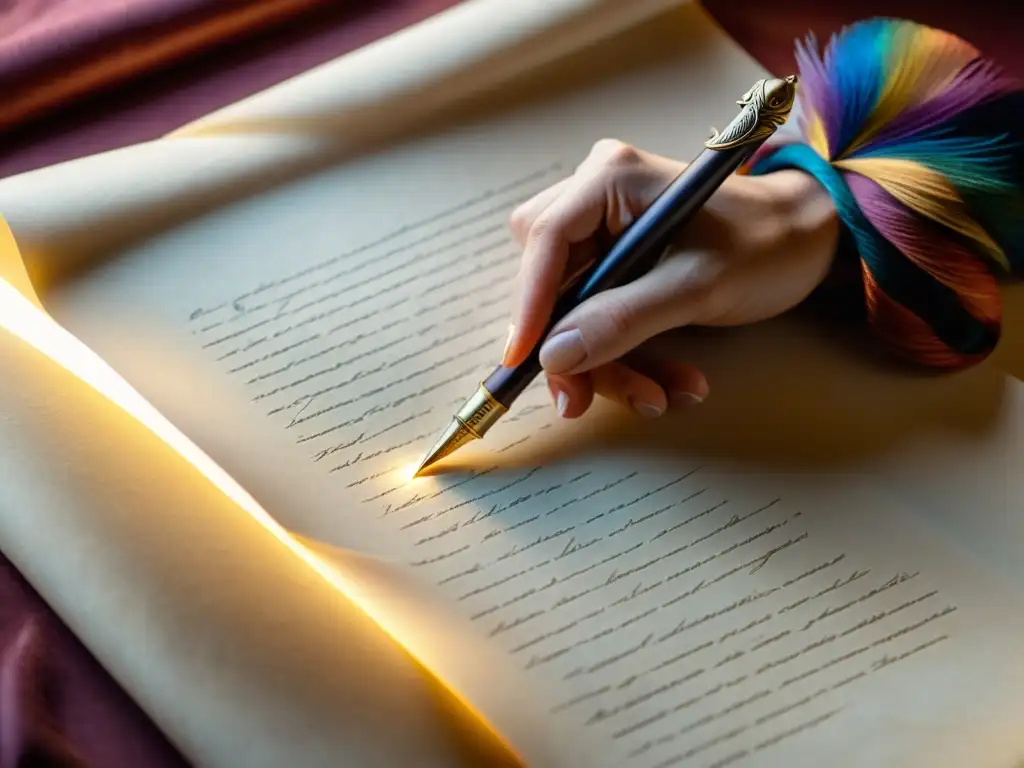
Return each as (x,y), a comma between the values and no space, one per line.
(919,139)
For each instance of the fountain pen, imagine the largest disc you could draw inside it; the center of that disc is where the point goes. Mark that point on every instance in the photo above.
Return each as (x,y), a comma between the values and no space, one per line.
(763,108)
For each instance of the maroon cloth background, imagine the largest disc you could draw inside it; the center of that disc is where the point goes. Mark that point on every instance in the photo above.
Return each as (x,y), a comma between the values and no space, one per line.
(68,706)
(52,51)
(157,97)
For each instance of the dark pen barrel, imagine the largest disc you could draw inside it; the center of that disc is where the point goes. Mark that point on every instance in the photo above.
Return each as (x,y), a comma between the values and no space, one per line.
(638,249)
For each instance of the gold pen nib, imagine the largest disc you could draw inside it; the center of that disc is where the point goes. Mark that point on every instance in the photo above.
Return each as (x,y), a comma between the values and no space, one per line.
(453,438)
(475,417)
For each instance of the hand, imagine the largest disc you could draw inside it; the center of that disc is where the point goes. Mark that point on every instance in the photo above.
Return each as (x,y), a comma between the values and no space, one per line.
(759,246)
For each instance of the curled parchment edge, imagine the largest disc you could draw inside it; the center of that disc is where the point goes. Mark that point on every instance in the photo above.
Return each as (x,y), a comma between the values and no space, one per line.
(23,315)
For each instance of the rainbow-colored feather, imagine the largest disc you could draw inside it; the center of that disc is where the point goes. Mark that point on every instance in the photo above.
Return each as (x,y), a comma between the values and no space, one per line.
(920,141)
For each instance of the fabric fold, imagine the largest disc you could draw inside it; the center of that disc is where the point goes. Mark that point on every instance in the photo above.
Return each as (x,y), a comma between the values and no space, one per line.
(382,92)
(29,734)
(53,52)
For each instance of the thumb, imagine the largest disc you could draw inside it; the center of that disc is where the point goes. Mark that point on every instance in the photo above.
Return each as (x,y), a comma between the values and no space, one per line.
(614,322)
(610,189)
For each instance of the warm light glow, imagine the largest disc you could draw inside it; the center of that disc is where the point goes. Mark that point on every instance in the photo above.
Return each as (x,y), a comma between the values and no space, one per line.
(408,472)
(22,318)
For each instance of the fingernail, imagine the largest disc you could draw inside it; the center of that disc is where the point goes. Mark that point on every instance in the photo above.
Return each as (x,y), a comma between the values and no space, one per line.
(646,410)
(563,352)
(562,404)
(686,399)
(508,343)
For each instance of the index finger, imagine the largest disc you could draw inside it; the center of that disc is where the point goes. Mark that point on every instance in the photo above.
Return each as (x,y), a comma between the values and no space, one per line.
(572,218)
(522,217)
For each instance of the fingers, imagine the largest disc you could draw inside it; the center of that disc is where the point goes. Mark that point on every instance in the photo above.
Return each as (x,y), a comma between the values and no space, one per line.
(615,322)
(630,389)
(572,395)
(613,186)
(684,384)
(647,387)
(523,217)
(571,218)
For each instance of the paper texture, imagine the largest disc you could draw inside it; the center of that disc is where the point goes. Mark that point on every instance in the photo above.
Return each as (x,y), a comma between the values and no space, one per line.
(338,110)
(245,653)
(198,665)
(404,77)
(12,266)
(779,578)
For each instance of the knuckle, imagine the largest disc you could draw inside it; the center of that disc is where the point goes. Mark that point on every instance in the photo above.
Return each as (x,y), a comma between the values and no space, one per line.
(625,156)
(616,153)
(517,220)
(604,147)
(540,231)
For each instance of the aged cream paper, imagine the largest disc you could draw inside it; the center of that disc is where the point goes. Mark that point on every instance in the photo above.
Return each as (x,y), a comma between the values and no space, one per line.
(254,684)
(75,212)
(241,649)
(451,57)
(772,581)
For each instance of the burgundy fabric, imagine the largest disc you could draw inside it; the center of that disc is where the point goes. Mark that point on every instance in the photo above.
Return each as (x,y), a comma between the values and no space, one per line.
(158,98)
(52,51)
(56,702)
(767,30)
(58,707)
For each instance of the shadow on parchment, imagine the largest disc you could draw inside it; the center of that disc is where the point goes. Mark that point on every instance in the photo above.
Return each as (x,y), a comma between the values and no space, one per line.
(1009,355)
(788,395)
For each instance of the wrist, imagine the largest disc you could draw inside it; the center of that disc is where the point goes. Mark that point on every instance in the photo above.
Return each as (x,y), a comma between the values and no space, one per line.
(802,211)
(791,215)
